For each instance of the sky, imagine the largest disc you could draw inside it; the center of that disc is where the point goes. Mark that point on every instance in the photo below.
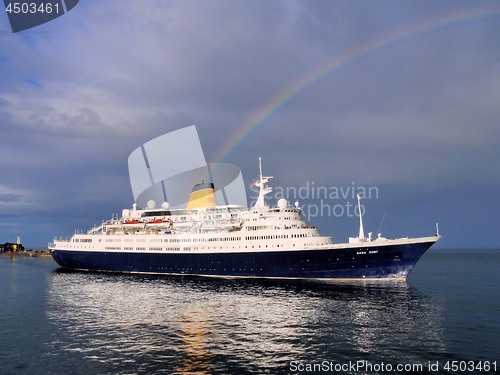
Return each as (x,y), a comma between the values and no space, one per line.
(398,96)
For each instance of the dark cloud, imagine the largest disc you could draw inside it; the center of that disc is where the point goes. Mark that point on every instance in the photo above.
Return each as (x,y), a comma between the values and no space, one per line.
(7,198)
(418,118)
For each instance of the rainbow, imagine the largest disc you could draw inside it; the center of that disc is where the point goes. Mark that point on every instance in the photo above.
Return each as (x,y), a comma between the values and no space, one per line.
(285,97)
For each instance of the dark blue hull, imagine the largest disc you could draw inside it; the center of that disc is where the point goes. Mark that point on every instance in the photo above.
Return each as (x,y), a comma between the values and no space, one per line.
(373,262)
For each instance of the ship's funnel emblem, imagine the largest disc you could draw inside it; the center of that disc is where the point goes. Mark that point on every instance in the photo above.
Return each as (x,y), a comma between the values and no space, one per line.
(166,169)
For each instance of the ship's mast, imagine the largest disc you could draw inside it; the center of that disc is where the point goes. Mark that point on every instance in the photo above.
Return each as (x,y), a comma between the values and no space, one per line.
(261,183)
(361,230)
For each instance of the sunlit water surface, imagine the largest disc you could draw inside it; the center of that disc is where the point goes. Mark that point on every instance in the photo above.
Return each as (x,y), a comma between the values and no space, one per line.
(63,322)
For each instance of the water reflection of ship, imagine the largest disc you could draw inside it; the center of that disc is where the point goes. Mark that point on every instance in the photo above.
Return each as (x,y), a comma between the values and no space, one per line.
(193,325)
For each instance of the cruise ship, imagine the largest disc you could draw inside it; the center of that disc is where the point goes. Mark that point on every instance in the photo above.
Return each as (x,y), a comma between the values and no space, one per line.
(233,241)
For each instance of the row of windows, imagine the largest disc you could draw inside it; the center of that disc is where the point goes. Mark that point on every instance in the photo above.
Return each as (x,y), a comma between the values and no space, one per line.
(178,248)
(223,239)
(274,237)
(150,248)
(142,248)
(217,247)
(213,239)
(182,218)
(259,227)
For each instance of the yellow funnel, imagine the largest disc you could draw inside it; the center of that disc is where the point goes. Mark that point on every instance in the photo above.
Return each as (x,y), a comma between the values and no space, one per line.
(202,195)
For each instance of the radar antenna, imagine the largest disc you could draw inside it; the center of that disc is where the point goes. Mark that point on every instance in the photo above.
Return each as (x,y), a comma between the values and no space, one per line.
(261,183)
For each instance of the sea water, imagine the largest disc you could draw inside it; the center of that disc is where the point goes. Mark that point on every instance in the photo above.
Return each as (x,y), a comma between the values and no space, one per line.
(55,321)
